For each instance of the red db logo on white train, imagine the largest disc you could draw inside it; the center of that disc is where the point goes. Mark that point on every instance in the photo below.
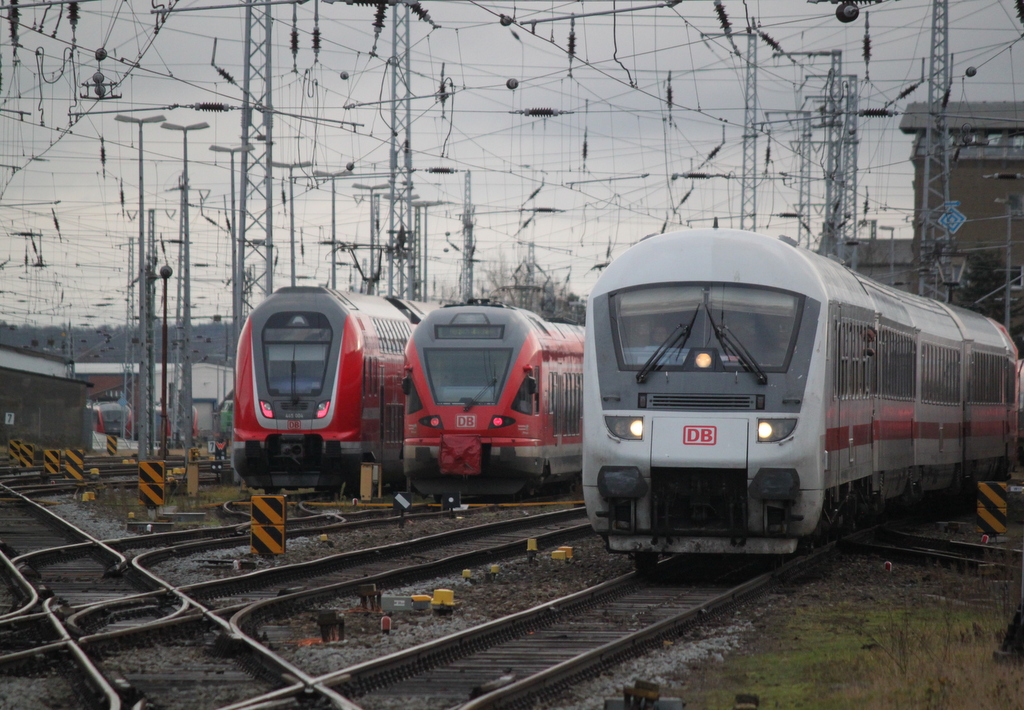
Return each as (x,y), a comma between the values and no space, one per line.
(700,435)
(465,421)
(293,424)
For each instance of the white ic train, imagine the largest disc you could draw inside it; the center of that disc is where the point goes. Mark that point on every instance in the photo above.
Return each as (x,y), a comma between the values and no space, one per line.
(742,394)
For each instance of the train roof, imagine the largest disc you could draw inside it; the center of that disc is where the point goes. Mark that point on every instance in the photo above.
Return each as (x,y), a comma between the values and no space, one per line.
(500,313)
(729,255)
(374,306)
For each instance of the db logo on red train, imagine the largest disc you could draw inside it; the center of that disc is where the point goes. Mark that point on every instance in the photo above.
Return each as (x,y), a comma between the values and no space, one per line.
(294,424)
(700,435)
(465,421)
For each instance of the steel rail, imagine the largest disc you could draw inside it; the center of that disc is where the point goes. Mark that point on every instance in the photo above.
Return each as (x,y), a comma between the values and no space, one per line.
(16,582)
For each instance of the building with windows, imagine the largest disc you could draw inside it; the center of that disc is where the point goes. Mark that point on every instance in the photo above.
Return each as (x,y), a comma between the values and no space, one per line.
(986,176)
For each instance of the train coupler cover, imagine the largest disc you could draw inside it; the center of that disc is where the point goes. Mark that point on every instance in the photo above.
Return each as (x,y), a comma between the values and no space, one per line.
(460,455)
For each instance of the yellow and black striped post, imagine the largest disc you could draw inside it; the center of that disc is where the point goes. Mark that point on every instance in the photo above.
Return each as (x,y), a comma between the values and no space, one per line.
(151,483)
(991,507)
(266,534)
(74,463)
(13,451)
(51,461)
(26,454)
(111,445)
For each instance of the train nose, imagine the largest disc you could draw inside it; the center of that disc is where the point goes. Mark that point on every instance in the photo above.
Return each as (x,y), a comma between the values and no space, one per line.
(696,441)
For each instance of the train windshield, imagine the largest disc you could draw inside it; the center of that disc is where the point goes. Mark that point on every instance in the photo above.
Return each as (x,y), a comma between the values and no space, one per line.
(295,350)
(466,376)
(763,322)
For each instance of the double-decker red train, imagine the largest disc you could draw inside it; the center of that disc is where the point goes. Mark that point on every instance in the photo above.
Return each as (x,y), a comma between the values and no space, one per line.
(318,388)
(493,401)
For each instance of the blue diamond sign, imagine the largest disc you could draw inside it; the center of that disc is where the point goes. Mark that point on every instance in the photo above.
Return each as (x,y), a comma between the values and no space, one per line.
(953,219)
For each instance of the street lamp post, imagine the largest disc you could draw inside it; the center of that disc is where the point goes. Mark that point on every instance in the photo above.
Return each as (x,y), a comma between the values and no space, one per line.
(186,311)
(145,364)
(237,249)
(165,273)
(291,199)
(334,221)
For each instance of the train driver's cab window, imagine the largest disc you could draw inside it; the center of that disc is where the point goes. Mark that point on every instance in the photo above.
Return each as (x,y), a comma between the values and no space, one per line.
(467,376)
(295,350)
(676,323)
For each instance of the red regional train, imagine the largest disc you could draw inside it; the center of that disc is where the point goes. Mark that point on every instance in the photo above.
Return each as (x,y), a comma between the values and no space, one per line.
(318,388)
(493,404)
(112,418)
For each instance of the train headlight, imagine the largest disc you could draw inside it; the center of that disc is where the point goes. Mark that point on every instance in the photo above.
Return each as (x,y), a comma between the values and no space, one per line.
(769,430)
(498,421)
(267,410)
(322,409)
(703,360)
(626,427)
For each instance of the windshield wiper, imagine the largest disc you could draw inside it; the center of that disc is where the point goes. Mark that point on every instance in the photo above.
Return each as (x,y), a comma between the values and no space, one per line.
(470,401)
(726,338)
(676,339)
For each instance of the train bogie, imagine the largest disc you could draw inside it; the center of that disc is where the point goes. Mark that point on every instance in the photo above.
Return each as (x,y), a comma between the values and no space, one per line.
(744,395)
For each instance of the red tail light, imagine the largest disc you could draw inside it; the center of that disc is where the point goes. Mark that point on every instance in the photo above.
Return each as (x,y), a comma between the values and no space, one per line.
(433,421)
(322,409)
(500,421)
(267,410)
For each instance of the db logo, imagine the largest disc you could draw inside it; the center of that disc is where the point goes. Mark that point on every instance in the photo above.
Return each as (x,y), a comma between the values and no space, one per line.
(293,424)
(700,435)
(465,421)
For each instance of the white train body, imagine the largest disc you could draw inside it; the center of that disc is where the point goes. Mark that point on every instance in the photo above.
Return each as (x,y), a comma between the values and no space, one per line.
(790,397)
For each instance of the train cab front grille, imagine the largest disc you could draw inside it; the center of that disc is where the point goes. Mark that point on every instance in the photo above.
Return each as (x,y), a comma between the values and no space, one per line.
(699,501)
(700,401)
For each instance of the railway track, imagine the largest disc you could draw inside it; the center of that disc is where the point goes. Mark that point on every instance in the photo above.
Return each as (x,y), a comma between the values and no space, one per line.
(170,645)
(895,544)
(513,660)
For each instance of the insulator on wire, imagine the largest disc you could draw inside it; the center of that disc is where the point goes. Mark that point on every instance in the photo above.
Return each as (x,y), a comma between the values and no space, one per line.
(73,14)
(770,41)
(295,43)
(421,12)
(908,91)
(768,154)
(122,195)
(585,148)
(867,40)
(316,42)
(713,153)
(210,106)
(442,171)
(685,198)
(875,112)
(572,39)
(723,18)
(668,92)
(14,17)
(103,153)
(697,176)
(541,112)
(378,16)
(227,77)
(1020,11)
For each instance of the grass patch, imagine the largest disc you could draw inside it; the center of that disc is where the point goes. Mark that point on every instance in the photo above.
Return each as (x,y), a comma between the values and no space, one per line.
(913,639)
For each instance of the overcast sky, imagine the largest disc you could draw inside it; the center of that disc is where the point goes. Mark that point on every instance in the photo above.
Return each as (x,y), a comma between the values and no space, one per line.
(69,181)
